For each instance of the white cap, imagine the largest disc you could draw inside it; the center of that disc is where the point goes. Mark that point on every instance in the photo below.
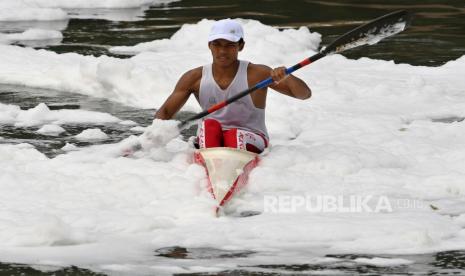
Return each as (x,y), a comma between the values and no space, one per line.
(226,29)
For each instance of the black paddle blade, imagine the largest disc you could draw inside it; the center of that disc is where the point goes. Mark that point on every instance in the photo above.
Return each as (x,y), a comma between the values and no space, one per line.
(371,32)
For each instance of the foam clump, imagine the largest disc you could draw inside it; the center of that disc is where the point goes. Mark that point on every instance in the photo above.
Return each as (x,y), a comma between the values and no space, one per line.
(91,134)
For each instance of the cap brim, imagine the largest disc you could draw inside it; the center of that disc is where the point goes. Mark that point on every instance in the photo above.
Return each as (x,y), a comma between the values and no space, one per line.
(228,37)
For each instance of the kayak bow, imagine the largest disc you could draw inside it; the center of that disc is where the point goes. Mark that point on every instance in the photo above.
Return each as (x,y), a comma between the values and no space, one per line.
(227,171)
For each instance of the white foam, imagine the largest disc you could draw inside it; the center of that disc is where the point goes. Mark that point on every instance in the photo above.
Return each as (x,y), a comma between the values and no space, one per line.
(69,147)
(367,130)
(116,78)
(138,129)
(159,133)
(383,261)
(53,130)
(33,37)
(50,10)
(91,134)
(128,123)
(19,10)
(41,114)
(90,4)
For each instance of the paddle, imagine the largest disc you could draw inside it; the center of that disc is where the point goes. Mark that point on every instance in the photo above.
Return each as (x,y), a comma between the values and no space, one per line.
(369,33)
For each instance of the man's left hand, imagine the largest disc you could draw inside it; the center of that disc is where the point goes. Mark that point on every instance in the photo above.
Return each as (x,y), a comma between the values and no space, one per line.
(279,74)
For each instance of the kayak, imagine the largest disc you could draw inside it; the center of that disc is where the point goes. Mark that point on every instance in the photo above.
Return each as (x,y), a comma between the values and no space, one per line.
(227,171)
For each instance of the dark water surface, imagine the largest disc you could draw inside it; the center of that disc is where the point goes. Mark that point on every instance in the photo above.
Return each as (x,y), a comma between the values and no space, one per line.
(437,35)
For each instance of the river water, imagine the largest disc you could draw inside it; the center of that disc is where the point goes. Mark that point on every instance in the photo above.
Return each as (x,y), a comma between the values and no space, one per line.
(437,35)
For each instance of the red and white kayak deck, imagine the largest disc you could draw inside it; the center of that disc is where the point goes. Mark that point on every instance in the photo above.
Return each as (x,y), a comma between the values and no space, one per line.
(227,170)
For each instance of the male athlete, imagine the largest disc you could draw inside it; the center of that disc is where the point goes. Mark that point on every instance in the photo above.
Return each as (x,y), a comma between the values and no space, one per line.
(240,124)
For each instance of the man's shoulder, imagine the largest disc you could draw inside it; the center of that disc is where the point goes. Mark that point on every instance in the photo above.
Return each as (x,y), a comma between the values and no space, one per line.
(258,69)
(191,76)
(194,73)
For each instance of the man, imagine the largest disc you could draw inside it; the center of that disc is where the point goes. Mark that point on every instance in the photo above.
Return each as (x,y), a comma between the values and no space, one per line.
(240,124)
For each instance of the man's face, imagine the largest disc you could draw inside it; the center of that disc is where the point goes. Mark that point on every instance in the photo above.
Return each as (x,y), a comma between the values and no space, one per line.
(224,52)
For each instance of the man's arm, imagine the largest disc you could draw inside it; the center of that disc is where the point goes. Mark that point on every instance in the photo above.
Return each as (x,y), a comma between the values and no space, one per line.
(289,84)
(285,84)
(184,88)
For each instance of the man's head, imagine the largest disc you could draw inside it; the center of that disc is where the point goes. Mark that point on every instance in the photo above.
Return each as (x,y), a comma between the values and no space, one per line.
(225,40)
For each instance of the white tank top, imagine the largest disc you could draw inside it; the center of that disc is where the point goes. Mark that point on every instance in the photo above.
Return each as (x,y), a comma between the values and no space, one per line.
(241,114)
